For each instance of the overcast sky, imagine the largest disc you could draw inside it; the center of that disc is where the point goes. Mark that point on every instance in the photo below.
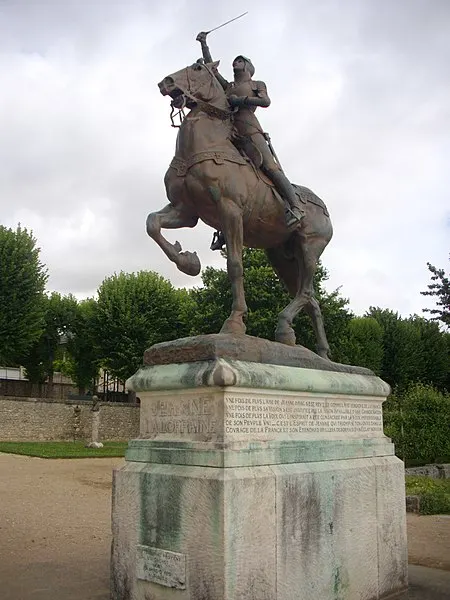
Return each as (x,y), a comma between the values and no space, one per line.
(360,113)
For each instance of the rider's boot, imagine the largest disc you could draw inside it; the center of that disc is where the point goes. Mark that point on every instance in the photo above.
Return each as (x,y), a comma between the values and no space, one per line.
(294,210)
(218,241)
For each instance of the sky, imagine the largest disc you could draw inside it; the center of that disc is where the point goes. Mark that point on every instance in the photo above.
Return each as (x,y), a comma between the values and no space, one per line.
(360,114)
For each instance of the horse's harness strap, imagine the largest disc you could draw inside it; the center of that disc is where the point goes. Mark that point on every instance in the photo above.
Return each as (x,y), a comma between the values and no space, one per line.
(182,166)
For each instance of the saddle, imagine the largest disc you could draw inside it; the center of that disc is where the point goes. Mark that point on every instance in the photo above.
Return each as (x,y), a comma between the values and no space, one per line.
(253,156)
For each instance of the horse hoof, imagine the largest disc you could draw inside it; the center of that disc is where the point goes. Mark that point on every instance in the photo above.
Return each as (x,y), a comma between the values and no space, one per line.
(323,353)
(285,336)
(189,263)
(236,327)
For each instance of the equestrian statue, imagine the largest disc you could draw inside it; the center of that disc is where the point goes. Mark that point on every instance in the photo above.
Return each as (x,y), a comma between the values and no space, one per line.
(226,173)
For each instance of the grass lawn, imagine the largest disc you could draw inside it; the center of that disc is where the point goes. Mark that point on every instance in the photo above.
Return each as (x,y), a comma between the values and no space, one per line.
(63,449)
(434,494)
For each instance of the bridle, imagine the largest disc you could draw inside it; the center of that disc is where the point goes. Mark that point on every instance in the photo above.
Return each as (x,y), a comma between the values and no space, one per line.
(206,107)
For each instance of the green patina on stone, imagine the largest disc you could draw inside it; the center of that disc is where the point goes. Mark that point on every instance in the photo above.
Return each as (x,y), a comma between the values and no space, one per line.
(161,506)
(256,376)
(340,583)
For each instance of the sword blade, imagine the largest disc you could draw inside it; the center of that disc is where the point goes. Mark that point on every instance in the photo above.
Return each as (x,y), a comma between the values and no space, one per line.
(230,21)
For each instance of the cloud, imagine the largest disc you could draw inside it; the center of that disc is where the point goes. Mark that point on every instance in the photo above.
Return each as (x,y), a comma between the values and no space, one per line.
(360,113)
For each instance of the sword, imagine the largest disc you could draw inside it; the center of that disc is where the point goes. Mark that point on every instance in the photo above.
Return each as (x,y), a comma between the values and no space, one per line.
(271,148)
(227,22)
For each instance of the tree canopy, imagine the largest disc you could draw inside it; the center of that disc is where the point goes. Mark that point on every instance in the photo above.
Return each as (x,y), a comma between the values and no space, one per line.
(134,311)
(59,317)
(439,289)
(22,282)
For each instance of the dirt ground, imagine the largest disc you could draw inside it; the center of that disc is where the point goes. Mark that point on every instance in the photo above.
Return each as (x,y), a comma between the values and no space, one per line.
(55,530)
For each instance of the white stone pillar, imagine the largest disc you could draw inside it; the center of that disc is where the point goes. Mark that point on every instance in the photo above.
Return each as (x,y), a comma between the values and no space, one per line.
(95,412)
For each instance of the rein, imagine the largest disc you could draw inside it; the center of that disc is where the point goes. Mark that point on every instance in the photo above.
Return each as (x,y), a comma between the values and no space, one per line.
(206,107)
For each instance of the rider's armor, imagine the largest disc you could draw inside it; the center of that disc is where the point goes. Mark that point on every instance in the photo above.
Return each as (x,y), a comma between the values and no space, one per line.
(252,94)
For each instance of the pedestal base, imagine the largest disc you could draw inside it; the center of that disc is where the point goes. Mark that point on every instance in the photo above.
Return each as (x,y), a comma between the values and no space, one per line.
(258,482)
(332,530)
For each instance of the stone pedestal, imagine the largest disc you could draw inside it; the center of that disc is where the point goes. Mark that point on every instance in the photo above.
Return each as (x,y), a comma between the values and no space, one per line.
(257,481)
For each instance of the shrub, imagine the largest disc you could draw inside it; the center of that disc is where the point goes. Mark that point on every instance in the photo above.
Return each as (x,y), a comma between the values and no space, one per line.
(434,494)
(418,421)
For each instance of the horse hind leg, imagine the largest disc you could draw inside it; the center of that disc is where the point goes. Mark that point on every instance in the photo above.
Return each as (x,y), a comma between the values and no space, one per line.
(313,310)
(286,265)
(171,217)
(307,258)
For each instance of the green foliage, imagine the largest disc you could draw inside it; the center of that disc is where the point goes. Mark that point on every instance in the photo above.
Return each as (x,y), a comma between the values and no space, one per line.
(336,316)
(418,421)
(364,346)
(212,301)
(63,449)
(134,311)
(59,317)
(22,282)
(414,350)
(440,289)
(434,494)
(82,361)
(434,358)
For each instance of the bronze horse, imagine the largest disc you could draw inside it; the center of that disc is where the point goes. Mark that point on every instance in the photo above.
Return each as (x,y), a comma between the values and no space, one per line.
(209,179)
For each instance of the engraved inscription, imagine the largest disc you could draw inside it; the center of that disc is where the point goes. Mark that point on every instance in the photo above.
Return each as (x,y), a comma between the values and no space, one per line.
(177,416)
(161,566)
(298,415)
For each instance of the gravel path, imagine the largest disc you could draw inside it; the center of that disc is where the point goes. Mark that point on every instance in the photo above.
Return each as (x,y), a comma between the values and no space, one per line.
(55,530)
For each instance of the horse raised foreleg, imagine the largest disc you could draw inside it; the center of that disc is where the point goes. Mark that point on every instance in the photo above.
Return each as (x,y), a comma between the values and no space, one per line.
(233,231)
(171,217)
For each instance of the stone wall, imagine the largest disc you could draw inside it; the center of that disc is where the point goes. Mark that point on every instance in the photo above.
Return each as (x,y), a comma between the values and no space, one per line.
(26,389)
(432,471)
(28,419)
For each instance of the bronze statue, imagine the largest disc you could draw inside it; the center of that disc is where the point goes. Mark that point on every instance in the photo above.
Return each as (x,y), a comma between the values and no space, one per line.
(210,179)
(245,95)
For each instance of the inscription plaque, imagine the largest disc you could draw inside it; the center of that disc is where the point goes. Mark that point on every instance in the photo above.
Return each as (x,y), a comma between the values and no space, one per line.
(161,566)
(206,417)
(299,415)
(196,415)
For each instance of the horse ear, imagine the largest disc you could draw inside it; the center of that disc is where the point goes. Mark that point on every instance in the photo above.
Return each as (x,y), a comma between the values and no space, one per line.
(215,64)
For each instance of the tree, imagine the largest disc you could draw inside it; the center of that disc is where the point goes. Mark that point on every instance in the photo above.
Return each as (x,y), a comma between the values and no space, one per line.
(82,361)
(440,289)
(402,354)
(364,346)
(59,317)
(133,312)
(418,421)
(22,283)
(414,350)
(434,365)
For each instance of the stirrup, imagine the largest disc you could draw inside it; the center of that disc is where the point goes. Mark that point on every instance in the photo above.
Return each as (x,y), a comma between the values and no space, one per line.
(293,217)
(218,241)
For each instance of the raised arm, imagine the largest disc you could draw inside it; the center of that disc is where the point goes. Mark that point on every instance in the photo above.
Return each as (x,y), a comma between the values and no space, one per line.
(208,59)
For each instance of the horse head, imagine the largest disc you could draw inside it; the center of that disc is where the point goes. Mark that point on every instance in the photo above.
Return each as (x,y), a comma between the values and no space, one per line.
(193,85)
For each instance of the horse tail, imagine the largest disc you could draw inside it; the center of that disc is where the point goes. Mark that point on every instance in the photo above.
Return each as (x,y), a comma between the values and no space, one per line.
(284,260)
